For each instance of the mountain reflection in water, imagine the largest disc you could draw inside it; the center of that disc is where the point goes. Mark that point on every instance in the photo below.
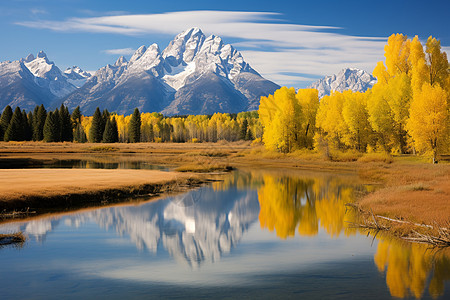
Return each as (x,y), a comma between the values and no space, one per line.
(201,226)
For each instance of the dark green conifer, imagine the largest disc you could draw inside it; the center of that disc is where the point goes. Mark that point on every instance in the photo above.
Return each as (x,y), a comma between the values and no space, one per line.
(57,118)
(96,130)
(76,117)
(27,128)
(5,119)
(40,116)
(80,135)
(66,124)
(15,130)
(51,127)
(111,134)
(30,118)
(243,130)
(134,128)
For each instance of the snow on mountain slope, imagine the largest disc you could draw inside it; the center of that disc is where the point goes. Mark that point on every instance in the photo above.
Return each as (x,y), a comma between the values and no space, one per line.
(18,87)
(48,75)
(195,74)
(76,76)
(353,79)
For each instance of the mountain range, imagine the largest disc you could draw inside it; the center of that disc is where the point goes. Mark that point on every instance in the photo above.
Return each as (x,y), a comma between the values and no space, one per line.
(353,79)
(195,74)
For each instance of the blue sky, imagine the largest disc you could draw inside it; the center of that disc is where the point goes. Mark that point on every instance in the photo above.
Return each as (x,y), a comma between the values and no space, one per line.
(290,42)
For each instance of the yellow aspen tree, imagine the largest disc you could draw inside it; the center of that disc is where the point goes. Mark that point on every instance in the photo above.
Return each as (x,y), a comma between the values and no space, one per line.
(356,117)
(86,122)
(396,53)
(330,120)
(280,116)
(419,72)
(437,62)
(399,99)
(429,119)
(309,103)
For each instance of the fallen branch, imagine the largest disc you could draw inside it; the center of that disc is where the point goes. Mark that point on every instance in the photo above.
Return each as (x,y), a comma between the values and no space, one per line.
(370,221)
(17,239)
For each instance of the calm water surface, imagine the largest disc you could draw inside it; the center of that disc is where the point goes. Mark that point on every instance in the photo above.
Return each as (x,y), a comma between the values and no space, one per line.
(257,234)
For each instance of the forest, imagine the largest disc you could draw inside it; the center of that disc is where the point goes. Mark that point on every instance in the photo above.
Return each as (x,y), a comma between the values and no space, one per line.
(61,126)
(406,111)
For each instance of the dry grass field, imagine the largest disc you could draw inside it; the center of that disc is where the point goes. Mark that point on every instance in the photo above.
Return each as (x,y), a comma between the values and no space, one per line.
(24,183)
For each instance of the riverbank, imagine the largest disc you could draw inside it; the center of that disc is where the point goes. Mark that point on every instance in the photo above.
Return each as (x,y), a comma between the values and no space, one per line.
(408,188)
(58,189)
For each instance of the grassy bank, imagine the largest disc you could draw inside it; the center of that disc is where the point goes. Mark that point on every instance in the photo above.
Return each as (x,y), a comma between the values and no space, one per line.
(47,189)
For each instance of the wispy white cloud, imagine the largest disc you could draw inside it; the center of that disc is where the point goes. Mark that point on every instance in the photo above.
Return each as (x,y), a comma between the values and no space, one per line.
(122,51)
(38,11)
(273,48)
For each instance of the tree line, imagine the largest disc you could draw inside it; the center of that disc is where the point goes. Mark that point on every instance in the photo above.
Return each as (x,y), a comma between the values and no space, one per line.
(61,126)
(406,111)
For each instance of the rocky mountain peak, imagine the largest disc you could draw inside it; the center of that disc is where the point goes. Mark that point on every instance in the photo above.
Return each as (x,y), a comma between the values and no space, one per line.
(353,79)
(120,61)
(138,53)
(29,58)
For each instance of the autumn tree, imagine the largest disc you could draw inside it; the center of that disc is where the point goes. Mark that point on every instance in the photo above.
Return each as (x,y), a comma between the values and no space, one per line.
(331,121)
(356,117)
(309,103)
(429,119)
(280,116)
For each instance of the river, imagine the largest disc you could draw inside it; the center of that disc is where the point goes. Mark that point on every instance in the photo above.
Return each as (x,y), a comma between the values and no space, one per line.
(254,234)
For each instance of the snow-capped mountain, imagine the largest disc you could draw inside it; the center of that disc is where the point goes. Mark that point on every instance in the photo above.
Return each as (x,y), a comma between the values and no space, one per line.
(195,74)
(36,80)
(48,75)
(76,76)
(353,79)
(18,87)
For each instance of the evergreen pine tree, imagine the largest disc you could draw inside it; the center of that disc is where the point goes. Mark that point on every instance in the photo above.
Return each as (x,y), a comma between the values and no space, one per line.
(15,130)
(40,117)
(66,124)
(30,118)
(105,116)
(27,131)
(243,130)
(51,128)
(76,117)
(96,130)
(80,135)
(134,128)
(5,119)
(111,134)
(57,120)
